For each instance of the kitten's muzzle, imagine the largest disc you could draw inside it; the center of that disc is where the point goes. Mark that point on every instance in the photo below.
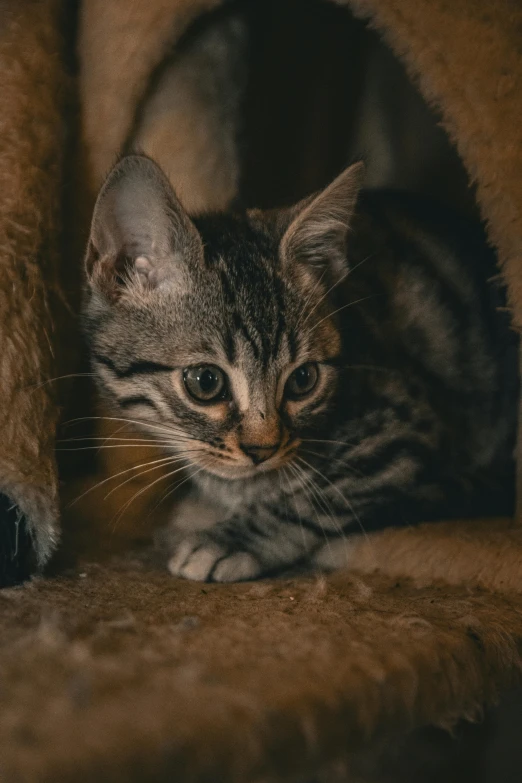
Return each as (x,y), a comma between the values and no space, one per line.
(257,453)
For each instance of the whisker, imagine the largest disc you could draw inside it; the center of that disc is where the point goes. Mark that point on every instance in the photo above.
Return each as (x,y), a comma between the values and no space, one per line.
(323,297)
(176,486)
(166,429)
(282,474)
(115,476)
(61,378)
(341,279)
(343,307)
(326,440)
(348,504)
(141,491)
(342,534)
(106,438)
(303,479)
(101,447)
(303,311)
(171,461)
(333,517)
(321,498)
(334,459)
(121,442)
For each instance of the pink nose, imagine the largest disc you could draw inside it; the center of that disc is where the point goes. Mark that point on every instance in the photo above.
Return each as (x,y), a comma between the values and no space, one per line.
(259,453)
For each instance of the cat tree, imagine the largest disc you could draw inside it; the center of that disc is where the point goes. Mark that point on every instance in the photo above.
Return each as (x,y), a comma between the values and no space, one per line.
(115,671)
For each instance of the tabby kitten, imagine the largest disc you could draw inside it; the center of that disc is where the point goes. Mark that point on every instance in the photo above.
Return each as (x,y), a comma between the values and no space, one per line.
(335,366)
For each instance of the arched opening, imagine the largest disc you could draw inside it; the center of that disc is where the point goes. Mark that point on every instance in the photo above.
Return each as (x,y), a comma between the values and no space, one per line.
(301,88)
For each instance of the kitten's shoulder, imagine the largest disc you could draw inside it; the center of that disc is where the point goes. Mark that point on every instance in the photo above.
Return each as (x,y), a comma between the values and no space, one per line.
(407,217)
(402,208)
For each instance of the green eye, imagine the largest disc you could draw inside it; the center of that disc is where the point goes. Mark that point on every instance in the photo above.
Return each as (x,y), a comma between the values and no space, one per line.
(302,381)
(205,383)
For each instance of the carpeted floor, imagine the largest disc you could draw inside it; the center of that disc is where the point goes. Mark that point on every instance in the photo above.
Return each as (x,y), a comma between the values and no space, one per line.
(136,676)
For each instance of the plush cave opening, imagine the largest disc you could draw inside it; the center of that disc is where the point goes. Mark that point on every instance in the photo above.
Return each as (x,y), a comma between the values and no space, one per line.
(322,90)
(318,90)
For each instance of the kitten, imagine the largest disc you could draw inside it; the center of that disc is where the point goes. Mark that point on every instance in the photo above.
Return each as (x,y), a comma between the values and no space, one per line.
(335,366)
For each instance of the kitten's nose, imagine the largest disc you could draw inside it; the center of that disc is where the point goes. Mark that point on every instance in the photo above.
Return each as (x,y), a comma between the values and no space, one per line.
(259,453)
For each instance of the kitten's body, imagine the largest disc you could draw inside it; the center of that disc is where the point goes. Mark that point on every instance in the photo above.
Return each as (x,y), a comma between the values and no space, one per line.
(413,412)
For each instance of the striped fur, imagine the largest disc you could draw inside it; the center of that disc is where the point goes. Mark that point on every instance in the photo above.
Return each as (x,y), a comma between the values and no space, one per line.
(412,417)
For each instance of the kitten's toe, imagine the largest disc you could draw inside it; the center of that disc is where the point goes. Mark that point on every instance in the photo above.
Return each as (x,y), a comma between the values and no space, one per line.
(206,561)
(195,560)
(236,568)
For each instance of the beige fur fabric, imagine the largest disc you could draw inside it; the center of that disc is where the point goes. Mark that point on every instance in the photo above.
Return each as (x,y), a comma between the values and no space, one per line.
(118,672)
(199,96)
(121,43)
(31,142)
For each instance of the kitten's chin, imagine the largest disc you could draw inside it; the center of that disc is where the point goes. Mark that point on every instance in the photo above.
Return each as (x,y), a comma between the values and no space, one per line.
(242,472)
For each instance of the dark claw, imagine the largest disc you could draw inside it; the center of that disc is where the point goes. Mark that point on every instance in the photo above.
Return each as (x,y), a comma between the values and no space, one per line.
(17,558)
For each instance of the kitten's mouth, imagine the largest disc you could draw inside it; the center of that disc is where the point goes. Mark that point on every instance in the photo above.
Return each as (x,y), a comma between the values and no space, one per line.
(246,471)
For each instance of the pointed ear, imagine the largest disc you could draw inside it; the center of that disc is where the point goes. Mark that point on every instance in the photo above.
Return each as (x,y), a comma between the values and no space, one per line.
(140,233)
(318,225)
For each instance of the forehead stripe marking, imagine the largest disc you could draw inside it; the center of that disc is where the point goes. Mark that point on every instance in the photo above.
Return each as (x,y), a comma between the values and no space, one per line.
(241,327)
(140,367)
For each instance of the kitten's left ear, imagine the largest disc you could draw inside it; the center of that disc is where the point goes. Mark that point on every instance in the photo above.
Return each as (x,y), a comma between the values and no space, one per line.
(316,234)
(139,230)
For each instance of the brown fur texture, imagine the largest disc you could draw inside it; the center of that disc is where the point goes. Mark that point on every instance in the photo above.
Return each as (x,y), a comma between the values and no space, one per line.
(120,44)
(200,96)
(139,677)
(31,144)
(482,554)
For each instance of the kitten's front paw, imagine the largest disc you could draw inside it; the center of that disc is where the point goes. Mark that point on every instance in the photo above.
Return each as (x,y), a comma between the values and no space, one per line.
(200,558)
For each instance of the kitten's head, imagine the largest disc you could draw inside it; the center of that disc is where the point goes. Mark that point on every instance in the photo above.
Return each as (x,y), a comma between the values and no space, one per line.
(216,333)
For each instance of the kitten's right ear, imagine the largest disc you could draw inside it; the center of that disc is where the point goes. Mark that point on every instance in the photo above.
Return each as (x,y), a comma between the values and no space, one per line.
(139,231)
(317,227)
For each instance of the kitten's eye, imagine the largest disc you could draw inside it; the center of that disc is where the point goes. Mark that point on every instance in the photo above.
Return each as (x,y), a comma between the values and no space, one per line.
(302,381)
(206,383)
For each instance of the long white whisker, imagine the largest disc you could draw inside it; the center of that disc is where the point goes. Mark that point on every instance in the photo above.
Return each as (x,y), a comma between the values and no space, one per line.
(283,473)
(106,438)
(303,311)
(101,447)
(321,499)
(112,477)
(336,489)
(141,491)
(341,279)
(344,307)
(172,461)
(323,297)
(333,459)
(335,521)
(166,429)
(326,440)
(61,378)
(303,480)
(176,486)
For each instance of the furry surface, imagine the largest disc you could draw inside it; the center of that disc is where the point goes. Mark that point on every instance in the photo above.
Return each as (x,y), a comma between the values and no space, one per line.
(121,43)
(482,554)
(31,141)
(136,676)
